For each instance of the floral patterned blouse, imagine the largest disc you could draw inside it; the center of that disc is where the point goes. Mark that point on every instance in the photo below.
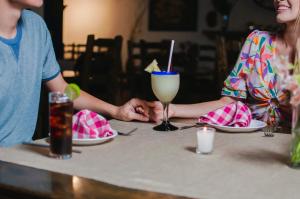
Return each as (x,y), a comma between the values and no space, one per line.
(254,80)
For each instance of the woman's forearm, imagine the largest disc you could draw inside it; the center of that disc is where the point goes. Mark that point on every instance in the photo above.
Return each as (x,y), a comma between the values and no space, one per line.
(196,110)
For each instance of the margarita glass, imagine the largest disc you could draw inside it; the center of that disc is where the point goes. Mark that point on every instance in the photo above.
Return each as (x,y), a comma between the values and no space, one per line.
(165,86)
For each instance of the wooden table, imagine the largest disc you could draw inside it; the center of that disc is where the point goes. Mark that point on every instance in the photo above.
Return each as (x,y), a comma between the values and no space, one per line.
(17,181)
(242,165)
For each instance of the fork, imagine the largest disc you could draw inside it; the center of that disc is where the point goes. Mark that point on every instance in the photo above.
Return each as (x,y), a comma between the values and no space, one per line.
(268,131)
(198,124)
(127,133)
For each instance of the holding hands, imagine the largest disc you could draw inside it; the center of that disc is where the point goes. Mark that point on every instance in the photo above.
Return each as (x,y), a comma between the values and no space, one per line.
(156,111)
(134,109)
(141,110)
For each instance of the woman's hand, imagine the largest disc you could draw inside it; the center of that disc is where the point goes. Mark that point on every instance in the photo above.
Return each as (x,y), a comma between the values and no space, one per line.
(295,99)
(156,111)
(294,88)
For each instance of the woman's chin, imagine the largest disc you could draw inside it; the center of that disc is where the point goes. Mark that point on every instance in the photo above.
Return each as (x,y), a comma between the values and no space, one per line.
(280,21)
(283,19)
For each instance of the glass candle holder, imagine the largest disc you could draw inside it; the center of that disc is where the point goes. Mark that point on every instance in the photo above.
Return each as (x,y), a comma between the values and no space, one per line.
(205,140)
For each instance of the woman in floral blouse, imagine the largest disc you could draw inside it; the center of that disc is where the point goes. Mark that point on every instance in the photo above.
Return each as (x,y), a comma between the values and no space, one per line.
(253,80)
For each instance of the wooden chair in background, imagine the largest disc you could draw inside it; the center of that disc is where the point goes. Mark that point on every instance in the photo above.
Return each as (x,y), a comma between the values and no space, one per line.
(228,49)
(73,51)
(134,59)
(197,66)
(155,50)
(141,54)
(100,67)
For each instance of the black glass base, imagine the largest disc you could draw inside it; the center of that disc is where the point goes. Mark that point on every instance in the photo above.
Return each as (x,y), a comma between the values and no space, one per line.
(165,126)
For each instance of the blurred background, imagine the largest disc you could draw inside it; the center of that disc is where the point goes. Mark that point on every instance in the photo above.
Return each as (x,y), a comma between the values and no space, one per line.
(104,45)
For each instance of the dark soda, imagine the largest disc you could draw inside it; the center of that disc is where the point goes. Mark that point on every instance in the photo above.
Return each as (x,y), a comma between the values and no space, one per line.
(60,120)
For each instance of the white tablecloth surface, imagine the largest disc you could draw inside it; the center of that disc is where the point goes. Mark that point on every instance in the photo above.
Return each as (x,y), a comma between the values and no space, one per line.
(242,165)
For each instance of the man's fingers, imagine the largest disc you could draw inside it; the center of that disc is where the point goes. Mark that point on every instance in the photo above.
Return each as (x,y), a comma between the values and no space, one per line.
(139,109)
(140,117)
(138,103)
(154,104)
(143,110)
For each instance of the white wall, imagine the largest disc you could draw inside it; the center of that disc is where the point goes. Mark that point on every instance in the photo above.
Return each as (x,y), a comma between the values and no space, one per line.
(104,18)
(107,18)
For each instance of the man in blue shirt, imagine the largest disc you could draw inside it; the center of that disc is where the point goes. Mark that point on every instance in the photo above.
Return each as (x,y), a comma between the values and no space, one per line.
(26,59)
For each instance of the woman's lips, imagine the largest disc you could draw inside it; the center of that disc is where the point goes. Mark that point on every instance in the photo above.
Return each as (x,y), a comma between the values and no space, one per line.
(282,8)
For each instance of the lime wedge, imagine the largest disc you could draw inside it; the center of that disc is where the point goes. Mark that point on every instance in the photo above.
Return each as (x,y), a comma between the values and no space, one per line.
(152,67)
(72,91)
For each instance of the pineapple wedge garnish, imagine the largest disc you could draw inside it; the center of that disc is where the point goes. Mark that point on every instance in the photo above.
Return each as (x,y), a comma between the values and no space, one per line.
(152,67)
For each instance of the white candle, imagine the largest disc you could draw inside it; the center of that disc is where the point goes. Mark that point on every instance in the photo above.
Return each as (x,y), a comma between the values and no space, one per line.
(205,140)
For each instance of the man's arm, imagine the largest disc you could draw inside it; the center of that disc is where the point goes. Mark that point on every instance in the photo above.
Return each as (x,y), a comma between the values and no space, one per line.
(126,112)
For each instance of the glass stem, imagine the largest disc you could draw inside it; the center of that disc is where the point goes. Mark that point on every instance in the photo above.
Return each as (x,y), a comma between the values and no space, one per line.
(164,112)
(167,113)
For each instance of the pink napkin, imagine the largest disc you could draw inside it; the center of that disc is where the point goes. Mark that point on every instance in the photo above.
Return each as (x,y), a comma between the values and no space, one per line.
(235,114)
(88,124)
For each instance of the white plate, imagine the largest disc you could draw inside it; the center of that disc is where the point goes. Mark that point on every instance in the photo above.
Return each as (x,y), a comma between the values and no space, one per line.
(94,140)
(254,125)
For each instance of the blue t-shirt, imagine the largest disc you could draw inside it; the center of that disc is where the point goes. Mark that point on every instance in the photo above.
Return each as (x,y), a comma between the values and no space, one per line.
(15,42)
(20,80)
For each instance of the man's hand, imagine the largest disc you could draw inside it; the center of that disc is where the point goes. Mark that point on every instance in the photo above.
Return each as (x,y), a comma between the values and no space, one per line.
(134,109)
